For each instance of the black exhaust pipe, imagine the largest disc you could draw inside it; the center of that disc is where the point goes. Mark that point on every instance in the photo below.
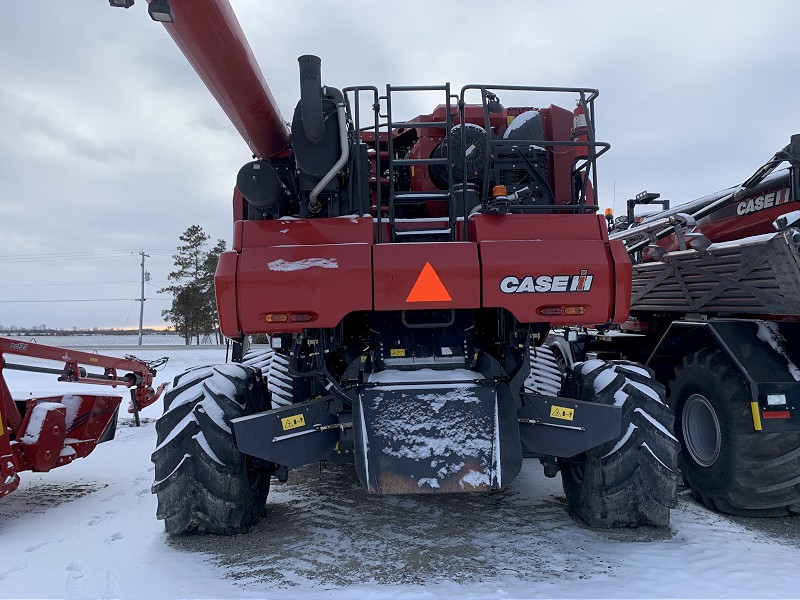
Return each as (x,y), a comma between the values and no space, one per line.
(311,97)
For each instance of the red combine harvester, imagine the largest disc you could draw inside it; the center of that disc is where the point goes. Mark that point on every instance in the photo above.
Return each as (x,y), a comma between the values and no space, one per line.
(407,273)
(715,305)
(40,434)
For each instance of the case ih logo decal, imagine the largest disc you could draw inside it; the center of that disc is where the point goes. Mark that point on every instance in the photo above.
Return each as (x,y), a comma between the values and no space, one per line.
(547,283)
(761,202)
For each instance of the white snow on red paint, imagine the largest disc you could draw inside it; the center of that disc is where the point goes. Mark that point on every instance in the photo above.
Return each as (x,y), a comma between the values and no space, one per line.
(300,265)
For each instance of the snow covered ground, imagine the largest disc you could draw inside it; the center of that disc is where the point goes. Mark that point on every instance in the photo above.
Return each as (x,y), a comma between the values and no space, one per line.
(88,530)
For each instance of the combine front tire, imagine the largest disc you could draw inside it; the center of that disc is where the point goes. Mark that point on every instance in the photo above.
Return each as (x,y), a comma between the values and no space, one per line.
(632,480)
(729,466)
(203,483)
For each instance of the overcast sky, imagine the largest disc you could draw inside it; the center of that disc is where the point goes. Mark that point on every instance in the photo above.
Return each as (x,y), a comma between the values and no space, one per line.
(111,144)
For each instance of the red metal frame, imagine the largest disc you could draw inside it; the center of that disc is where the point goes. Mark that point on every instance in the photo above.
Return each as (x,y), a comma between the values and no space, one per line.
(55,430)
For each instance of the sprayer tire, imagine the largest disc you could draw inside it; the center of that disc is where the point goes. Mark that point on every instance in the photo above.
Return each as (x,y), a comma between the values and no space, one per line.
(729,466)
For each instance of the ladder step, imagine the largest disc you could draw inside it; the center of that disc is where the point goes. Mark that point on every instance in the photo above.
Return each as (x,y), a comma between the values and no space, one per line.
(422,231)
(442,124)
(421,196)
(419,161)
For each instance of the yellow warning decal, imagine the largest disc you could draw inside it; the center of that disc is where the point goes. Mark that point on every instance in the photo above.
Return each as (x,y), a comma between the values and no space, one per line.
(561,412)
(92,359)
(2,425)
(756,416)
(293,422)
(397,352)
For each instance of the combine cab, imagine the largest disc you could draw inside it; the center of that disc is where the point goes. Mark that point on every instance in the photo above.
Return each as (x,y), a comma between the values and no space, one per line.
(407,272)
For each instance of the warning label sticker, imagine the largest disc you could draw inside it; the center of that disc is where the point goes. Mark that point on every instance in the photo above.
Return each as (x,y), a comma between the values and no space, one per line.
(562,412)
(293,422)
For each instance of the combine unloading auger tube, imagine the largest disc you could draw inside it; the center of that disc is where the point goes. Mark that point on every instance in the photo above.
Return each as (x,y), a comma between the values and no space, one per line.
(210,37)
(40,434)
(407,272)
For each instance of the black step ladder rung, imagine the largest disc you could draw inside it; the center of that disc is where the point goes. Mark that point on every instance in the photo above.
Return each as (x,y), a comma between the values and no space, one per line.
(420,124)
(419,161)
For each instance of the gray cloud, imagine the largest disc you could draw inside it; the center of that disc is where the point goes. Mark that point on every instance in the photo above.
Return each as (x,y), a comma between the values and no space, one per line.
(108,140)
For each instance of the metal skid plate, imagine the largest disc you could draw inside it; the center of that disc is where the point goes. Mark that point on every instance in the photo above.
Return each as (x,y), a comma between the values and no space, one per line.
(564,427)
(292,436)
(450,437)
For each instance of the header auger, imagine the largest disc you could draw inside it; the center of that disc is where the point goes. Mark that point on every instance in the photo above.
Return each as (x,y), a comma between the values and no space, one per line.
(407,272)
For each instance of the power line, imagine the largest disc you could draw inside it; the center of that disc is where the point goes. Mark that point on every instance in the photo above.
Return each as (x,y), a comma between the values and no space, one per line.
(7,285)
(131,251)
(71,256)
(84,300)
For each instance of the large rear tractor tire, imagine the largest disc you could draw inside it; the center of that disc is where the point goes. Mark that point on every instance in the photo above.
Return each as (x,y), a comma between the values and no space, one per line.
(632,480)
(729,466)
(203,483)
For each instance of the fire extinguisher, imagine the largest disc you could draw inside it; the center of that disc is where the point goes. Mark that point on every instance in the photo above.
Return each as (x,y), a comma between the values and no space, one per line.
(580,131)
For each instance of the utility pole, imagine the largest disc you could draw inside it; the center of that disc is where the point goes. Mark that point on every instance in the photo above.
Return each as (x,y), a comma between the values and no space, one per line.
(145,276)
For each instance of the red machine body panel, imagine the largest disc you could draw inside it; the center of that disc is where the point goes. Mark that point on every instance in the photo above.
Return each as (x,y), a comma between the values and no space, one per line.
(527,277)
(538,227)
(306,232)
(322,282)
(533,263)
(527,264)
(426,276)
(751,215)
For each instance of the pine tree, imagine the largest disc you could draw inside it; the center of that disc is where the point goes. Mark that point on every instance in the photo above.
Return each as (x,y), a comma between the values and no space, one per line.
(194,309)
(210,267)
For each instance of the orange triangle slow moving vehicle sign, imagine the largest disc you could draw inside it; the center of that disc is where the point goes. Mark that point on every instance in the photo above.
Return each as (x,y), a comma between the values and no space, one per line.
(428,288)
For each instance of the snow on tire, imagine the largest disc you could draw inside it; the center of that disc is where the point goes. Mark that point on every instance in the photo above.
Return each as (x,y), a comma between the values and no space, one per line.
(202,481)
(545,376)
(632,480)
(274,369)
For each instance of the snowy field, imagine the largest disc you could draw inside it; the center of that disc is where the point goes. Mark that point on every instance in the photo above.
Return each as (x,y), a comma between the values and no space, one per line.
(88,530)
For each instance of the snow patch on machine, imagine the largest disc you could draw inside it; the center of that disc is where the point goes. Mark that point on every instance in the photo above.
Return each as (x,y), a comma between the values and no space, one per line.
(300,265)
(768,332)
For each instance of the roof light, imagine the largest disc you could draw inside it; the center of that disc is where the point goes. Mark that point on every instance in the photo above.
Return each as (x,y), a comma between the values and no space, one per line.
(121,3)
(161,11)
(499,190)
